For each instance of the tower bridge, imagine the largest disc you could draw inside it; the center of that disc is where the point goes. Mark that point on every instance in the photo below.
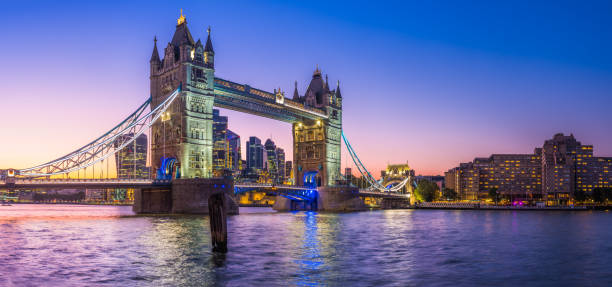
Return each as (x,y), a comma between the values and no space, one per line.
(184,91)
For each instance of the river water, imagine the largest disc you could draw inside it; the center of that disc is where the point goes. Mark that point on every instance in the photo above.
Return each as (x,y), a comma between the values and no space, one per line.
(64,245)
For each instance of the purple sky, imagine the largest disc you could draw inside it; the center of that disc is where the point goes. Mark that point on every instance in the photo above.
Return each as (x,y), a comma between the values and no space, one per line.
(431,84)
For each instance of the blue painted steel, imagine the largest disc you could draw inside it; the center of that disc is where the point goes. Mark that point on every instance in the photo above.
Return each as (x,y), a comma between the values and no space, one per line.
(165,170)
(310,179)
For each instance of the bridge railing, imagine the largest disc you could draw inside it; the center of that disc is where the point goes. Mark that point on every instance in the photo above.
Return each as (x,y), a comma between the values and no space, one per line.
(380,193)
(268,185)
(93,180)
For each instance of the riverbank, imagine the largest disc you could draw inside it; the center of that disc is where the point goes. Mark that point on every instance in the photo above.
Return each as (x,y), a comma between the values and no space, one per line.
(72,203)
(478,206)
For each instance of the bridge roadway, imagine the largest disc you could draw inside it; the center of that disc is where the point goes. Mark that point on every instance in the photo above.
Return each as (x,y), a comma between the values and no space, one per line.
(18,183)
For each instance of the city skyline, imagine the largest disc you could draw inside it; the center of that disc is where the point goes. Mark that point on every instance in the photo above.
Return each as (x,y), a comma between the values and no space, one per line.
(494,98)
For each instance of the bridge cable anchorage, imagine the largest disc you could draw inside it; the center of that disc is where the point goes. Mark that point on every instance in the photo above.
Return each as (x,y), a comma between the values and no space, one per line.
(374,184)
(106,145)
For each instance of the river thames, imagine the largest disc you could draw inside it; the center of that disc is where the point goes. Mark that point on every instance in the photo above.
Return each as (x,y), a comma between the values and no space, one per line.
(64,245)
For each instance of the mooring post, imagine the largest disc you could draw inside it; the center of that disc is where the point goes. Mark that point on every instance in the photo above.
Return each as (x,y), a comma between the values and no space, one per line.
(218,222)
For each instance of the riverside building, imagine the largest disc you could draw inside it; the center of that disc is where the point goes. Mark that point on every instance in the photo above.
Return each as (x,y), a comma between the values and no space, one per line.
(552,173)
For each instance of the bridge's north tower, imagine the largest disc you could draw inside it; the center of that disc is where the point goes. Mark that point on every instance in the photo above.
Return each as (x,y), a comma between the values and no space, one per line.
(185,130)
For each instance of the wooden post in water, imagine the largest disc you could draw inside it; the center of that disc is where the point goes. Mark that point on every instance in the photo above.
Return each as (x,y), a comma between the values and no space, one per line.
(218,222)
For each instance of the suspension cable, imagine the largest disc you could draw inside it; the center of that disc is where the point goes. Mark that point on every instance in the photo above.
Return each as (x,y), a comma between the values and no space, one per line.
(106,145)
(374,184)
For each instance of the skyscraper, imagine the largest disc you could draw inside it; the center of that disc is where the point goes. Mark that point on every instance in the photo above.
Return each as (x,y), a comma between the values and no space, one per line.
(289,171)
(254,154)
(271,160)
(280,164)
(235,155)
(220,144)
(131,161)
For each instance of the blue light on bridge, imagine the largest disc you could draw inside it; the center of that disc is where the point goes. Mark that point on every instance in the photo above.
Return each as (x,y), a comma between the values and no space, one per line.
(165,170)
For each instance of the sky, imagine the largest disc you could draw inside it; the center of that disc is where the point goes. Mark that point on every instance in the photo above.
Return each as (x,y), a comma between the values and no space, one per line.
(431,83)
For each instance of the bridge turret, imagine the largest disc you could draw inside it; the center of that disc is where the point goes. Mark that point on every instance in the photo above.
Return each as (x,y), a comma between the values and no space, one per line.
(155,61)
(296,95)
(209,53)
(317,94)
(338,95)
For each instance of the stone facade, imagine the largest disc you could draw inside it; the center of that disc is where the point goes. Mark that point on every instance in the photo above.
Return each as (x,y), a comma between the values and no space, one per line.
(186,196)
(316,144)
(191,195)
(185,130)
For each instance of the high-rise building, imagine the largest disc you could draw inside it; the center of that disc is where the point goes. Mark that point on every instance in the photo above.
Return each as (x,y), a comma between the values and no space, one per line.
(220,144)
(289,169)
(235,155)
(131,161)
(564,159)
(254,154)
(552,173)
(280,163)
(271,160)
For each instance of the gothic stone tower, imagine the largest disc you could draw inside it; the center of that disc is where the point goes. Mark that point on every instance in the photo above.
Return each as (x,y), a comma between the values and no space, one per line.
(184,132)
(316,144)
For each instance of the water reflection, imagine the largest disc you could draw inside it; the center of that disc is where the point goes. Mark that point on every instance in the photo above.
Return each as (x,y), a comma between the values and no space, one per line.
(310,261)
(402,247)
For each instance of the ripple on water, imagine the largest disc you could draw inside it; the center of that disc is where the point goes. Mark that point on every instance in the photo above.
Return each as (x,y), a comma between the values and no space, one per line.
(91,246)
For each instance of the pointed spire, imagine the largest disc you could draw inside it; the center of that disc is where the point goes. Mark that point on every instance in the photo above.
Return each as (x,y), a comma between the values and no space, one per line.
(317,72)
(181,19)
(181,34)
(155,55)
(296,95)
(338,95)
(326,83)
(208,47)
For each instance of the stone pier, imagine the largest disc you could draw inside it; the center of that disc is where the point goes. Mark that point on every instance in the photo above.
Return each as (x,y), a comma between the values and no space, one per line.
(330,199)
(186,196)
(394,203)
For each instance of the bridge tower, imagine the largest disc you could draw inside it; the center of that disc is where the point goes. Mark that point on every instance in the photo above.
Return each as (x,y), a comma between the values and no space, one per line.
(185,130)
(316,144)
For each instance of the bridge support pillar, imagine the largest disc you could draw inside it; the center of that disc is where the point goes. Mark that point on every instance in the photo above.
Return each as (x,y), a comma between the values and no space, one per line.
(190,196)
(282,203)
(186,196)
(340,199)
(394,203)
(152,200)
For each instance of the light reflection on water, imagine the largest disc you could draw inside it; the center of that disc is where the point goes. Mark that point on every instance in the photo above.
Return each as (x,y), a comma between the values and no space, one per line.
(109,246)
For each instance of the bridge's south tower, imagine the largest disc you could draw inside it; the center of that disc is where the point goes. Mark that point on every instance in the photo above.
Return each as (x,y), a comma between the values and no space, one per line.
(316,148)
(185,130)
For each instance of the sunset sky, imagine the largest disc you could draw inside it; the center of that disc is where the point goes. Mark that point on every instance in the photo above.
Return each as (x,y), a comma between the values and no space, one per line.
(433,84)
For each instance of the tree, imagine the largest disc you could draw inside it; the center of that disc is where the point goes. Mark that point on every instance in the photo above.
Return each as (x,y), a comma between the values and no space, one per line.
(426,191)
(601,194)
(449,193)
(494,195)
(581,196)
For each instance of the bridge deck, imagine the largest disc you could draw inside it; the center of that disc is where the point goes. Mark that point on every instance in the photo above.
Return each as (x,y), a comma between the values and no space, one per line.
(83,183)
(147,183)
